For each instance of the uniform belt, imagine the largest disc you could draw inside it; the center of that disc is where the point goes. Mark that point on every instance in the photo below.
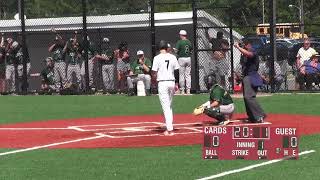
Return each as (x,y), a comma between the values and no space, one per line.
(165,80)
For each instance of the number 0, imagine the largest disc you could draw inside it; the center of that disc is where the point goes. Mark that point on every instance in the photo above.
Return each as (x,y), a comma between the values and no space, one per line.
(167,61)
(215,141)
(294,142)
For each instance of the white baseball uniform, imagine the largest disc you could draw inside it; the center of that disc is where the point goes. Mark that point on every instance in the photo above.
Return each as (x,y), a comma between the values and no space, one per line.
(165,65)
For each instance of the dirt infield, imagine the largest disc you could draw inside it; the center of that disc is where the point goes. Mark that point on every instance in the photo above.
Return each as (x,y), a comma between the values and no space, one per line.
(128,131)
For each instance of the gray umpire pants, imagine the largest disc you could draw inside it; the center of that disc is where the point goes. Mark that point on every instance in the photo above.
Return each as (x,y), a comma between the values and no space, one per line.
(146,78)
(108,76)
(83,72)
(74,68)
(185,73)
(253,108)
(60,74)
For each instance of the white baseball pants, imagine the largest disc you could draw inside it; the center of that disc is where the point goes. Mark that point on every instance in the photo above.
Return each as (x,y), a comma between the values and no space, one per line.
(185,73)
(166,92)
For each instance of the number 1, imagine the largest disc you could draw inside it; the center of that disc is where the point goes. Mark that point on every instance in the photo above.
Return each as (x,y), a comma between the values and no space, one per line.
(167,61)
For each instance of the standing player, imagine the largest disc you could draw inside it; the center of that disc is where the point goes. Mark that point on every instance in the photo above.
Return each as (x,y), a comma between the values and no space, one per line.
(91,57)
(165,68)
(73,57)
(220,106)
(184,49)
(11,63)
(56,52)
(108,65)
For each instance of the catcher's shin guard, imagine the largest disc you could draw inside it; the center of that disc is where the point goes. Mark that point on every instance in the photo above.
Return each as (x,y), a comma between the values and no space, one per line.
(214,113)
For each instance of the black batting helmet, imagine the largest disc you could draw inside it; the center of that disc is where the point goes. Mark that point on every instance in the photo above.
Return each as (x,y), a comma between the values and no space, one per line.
(163,45)
(210,80)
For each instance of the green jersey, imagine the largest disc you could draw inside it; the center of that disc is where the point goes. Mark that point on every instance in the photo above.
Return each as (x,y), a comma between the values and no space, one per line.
(107,52)
(72,56)
(57,53)
(217,93)
(137,68)
(184,48)
(48,76)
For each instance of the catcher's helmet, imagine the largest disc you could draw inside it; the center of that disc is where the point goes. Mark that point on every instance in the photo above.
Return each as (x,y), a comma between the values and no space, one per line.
(163,44)
(210,80)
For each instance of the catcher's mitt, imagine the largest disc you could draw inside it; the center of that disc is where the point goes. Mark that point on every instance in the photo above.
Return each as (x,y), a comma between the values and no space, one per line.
(197,111)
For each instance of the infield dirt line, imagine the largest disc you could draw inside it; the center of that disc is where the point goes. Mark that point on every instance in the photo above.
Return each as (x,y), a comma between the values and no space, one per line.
(247,168)
(51,145)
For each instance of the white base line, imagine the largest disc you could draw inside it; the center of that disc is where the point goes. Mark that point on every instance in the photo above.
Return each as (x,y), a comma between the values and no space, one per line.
(251,167)
(25,129)
(51,145)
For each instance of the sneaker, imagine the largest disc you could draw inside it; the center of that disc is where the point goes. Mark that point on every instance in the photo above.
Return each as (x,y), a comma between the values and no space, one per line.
(168,133)
(224,123)
(188,92)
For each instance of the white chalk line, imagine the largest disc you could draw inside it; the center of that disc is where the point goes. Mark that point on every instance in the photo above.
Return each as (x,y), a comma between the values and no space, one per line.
(53,144)
(145,135)
(25,129)
(247,168)
(97,125)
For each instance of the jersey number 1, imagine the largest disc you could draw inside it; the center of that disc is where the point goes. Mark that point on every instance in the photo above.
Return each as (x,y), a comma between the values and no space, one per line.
(167,61)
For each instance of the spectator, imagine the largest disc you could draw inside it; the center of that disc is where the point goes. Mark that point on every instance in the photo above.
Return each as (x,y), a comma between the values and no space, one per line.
(139,71)
(73,58)
(123,64)
(310,72)
(48,84)
(220,47)
(11,63)
(264,72)
(57,54)
(184,49)
(108,68)
(303,55)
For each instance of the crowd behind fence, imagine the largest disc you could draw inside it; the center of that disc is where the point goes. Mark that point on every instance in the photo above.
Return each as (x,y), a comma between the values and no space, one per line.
(91,50)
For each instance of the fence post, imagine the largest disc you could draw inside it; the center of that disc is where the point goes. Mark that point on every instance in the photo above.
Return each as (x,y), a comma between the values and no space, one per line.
(152,26)
(24,47)
(85,43)
(195,45)
(273,57)
(231,51)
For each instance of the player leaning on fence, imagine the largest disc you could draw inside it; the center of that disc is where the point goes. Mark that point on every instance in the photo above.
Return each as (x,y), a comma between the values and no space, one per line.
(184,49)
(165,70)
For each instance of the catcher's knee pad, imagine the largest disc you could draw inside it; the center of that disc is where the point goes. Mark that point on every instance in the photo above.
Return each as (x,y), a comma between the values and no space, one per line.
(214,113)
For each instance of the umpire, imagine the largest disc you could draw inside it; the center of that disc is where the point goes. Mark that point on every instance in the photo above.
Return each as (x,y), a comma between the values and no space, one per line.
(250,82)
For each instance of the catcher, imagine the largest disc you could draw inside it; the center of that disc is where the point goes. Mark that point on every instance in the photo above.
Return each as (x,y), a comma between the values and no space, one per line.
(220,106)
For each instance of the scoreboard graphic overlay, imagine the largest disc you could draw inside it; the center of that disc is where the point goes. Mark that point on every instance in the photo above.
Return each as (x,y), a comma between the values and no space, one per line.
(250,142)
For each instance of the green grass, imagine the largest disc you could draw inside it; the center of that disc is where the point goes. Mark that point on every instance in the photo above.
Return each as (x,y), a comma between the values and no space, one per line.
(142,163)
(42,108)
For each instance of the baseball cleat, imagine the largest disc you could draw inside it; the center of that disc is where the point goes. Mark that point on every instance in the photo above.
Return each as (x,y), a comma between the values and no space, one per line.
(224,123)
(168,133)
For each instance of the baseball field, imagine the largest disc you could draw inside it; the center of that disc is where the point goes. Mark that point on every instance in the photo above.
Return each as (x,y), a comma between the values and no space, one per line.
(119,137)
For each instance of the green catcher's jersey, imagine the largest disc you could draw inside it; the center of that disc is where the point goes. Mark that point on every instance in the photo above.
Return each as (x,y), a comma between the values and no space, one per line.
(217,93)
(184,48)
(137,68)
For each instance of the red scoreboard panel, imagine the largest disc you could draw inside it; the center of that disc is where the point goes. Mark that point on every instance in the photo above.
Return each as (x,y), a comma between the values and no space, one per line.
(250,142)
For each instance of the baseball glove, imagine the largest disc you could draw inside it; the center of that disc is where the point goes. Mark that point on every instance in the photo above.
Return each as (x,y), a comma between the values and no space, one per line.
(199,110)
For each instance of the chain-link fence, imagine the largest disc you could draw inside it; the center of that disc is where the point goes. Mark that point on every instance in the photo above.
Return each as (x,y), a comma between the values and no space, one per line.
(89,46)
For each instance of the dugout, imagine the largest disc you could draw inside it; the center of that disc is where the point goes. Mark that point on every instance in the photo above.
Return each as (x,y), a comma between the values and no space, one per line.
(133,28)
